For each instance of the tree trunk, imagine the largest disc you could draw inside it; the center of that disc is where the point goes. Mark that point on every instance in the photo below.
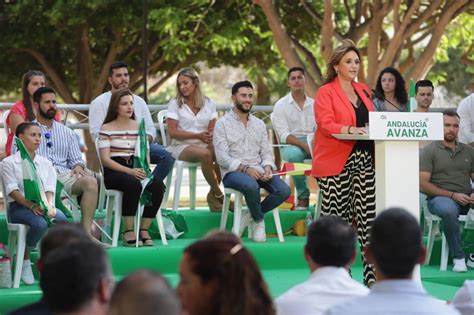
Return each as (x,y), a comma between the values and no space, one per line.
(284,42)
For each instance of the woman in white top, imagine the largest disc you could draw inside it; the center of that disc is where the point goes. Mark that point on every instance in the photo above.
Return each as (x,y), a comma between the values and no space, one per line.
(191,121)
(20,209)
(117,140)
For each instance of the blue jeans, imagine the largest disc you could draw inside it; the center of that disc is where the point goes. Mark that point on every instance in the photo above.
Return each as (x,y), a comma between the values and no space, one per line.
(163,160)
(295,154)
(278,192)
(38,226)
(448,210)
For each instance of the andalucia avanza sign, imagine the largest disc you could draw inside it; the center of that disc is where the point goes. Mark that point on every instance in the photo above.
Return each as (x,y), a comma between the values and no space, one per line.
(405,126)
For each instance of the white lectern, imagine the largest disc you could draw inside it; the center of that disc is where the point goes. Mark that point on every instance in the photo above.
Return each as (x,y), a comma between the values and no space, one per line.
(396,137)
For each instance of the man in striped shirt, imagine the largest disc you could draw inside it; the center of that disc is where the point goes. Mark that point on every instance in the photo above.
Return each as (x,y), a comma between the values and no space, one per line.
(61,147)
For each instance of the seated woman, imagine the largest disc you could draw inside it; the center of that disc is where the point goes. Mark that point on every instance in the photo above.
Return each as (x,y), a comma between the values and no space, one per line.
(22,210)
(218,275)
(117,140)
(191,121)
(390,94)
(23,110)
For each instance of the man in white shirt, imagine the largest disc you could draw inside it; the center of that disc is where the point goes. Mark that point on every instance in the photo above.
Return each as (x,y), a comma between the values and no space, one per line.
(466,114)
(118,79)
(245,158)
(293,119)
(329,251)
(395,248)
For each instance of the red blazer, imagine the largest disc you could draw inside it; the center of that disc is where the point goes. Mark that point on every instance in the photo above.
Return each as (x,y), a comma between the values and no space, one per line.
(333,110)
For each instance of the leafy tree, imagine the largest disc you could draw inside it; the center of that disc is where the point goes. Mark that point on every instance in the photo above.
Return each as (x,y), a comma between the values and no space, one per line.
(388,32)
(75,41)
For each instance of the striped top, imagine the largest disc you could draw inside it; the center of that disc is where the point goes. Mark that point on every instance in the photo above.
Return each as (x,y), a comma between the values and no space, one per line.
(63,149)
(121,142)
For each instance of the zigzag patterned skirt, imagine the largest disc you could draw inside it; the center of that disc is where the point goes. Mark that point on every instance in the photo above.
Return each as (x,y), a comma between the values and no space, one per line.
(351,196)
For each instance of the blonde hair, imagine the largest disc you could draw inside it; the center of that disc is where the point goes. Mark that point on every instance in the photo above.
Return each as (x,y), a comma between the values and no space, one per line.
(198,96)
(336,56)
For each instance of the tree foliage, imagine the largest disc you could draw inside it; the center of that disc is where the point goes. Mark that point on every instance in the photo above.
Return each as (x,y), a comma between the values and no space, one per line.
(404,34)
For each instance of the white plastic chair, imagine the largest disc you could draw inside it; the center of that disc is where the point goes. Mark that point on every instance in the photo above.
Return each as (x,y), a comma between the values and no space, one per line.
(238,213)
(16,240)
(180,166)
(433,222)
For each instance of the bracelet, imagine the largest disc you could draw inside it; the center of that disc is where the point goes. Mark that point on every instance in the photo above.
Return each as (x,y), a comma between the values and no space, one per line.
(452,194)
(349,129)
(246,168)
(33,206)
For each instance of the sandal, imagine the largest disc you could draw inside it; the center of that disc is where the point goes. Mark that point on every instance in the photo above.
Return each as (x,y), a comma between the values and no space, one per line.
(214,202)
(146,241)
(130,243)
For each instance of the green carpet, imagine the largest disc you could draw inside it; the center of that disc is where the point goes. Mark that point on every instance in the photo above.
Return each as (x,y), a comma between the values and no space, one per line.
(282,264)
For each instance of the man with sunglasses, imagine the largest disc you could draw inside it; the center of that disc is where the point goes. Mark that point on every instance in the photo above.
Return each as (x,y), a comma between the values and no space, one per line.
(61,147)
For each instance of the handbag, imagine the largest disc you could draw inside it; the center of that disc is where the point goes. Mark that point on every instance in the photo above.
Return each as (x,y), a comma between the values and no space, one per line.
(5,268)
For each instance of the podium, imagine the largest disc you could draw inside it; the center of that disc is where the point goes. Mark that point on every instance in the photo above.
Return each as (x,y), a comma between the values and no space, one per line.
(396,136)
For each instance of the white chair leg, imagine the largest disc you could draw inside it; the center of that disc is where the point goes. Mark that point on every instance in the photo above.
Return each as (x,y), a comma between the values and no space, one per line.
(164,203)
(117,219)
(177,185)
(317,208)
(20,255)
(225,211)
(444,254)
(138,219)
(159,221)
(276,217)
(429,244)
(237,213)
(12,239)
(192,187)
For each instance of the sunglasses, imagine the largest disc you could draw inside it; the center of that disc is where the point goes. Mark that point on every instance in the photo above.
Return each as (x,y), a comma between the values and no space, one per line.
(49,142)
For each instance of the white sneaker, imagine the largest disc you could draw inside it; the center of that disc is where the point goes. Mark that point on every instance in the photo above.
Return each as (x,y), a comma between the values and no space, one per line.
(459,265)
(258,234)
(27,273)
(470,261)
(245,219)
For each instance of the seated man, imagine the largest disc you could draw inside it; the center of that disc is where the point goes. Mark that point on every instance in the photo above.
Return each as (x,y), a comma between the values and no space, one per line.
(293,120)
(245,159)
(446,170)
(61,147)
(329,251)
(394,248)
(144,292)
(77,279)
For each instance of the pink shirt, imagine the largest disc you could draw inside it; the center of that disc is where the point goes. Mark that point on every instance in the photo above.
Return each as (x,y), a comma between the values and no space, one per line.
(19,109)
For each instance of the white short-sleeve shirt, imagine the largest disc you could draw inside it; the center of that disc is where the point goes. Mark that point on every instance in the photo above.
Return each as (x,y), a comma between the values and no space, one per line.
(190,122)
(12,174)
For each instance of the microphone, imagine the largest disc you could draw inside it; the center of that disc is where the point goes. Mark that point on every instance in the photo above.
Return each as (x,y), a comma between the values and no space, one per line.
(381,96)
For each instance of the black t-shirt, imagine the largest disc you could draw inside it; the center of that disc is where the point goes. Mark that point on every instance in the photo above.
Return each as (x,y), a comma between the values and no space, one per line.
(362,117)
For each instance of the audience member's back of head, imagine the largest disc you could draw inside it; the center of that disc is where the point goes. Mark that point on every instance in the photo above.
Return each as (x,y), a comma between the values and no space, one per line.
(225,266)
(144,292)
(62,234)
(72,274)
(395,242)
(331,242)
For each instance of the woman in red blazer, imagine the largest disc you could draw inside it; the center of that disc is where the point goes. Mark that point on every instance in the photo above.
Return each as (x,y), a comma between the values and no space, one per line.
(344,168)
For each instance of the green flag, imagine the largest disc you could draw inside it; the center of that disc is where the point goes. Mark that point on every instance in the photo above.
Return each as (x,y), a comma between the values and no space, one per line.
(34,190)
(412,105)
(58,202)
(140,161)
